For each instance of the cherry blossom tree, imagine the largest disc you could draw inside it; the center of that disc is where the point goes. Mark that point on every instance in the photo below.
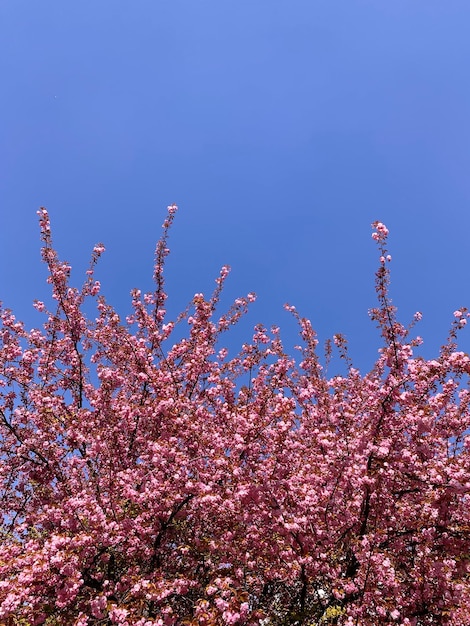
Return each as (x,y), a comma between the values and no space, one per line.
(147,480)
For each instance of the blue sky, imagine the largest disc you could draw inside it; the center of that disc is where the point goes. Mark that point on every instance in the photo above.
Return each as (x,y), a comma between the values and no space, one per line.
(281,129)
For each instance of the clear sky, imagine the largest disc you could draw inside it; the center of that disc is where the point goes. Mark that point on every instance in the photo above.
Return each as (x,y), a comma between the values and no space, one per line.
(282,129)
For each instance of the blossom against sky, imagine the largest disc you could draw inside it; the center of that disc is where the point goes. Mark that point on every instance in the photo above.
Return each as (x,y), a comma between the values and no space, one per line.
(281,129)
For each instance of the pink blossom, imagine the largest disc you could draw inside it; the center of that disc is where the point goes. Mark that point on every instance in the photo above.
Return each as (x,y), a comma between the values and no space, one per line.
(151,482)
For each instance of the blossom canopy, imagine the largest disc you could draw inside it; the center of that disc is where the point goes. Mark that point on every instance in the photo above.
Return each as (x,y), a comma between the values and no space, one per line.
(151,480)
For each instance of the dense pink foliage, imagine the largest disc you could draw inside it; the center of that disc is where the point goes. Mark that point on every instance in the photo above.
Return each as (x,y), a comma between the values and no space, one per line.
(149,481)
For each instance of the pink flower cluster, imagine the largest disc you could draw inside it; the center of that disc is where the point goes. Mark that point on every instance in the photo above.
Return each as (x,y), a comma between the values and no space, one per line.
(381,231)
(148,478)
